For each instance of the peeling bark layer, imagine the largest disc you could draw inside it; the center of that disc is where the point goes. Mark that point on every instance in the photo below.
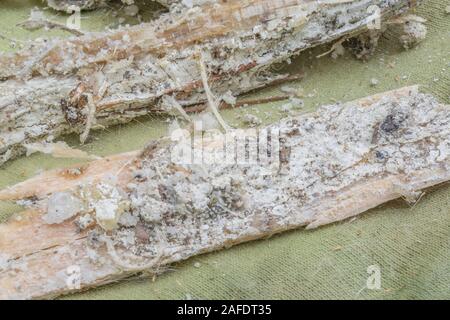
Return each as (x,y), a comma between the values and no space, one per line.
(62,86)
(137,213)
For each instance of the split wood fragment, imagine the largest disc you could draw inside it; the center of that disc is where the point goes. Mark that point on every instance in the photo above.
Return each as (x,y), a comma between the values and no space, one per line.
(142,211)
(58,86)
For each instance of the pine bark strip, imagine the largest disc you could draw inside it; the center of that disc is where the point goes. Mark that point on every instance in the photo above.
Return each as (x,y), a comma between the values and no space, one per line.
(63,86)
(332,165)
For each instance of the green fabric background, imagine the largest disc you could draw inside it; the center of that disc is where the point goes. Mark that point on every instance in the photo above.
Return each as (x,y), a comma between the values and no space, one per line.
(410,245)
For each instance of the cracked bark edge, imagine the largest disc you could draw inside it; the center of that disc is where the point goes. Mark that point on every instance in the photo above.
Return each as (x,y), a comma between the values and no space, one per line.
(401,144)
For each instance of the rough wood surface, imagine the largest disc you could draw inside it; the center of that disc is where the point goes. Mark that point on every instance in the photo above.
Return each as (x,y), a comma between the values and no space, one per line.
(139,212)
(61,86)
